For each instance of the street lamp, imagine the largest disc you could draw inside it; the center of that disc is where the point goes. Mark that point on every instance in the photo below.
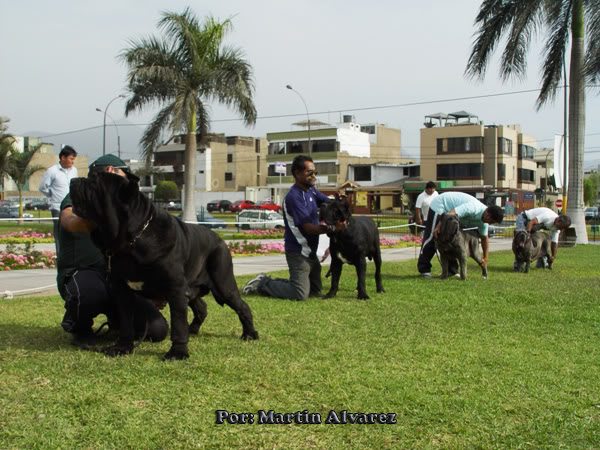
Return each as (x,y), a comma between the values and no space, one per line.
(118,135)
(104,126)
(307,116)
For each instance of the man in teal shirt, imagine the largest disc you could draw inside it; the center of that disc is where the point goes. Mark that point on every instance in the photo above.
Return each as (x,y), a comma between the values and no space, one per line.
(472,214)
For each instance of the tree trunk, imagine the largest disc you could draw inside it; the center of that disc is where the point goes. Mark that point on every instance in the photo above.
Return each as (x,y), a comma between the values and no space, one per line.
(575,206)
(189,205)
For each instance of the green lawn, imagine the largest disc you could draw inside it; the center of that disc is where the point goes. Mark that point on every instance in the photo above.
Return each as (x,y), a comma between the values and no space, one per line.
(513,361)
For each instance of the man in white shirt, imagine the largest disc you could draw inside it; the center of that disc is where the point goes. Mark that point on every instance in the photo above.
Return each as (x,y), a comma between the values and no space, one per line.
(56,181)
(423,201)
(543,218)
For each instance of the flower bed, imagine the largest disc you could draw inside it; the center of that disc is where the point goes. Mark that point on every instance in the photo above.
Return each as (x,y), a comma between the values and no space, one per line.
(16,259)
(23,237)
(254,234)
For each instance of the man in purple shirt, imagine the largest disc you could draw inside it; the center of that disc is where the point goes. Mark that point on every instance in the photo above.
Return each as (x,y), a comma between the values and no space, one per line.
(302,230)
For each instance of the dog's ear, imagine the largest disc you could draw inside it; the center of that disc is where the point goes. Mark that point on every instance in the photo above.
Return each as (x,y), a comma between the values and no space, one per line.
(128,191)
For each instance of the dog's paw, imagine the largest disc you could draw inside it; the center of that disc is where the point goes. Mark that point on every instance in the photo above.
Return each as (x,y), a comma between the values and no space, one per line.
(328,296)
(381,290)
(194,328)
(363,296)
(176,355)
(118,350)
(253,336)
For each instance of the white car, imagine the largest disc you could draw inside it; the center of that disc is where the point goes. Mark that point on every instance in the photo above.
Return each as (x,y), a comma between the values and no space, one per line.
(260,219)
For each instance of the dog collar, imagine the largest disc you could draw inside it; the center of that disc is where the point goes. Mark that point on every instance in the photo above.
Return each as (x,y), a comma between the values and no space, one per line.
(132,243)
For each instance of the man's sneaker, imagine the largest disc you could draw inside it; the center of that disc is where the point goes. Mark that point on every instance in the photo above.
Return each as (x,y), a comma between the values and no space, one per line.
(254,284)
(425,275)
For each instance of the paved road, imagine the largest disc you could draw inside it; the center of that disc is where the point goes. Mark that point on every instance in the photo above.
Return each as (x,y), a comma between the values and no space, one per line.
(43,281)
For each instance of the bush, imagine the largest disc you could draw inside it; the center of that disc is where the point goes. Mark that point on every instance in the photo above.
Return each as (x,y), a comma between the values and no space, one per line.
(166,190)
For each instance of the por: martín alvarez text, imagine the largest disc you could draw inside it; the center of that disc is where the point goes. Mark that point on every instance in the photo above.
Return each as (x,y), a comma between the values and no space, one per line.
(334,417)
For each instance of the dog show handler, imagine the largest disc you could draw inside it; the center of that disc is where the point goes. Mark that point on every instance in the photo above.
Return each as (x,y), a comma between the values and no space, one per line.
(471,213)
(301,238)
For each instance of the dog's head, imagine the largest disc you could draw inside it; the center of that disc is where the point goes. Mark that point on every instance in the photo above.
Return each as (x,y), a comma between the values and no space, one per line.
(521,239)
(449,229)
(334,211)
(106,200)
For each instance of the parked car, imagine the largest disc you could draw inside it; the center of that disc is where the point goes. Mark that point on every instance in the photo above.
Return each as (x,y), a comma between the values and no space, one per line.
(240,205)
(203,216)
(37,204)
(176,206)
(259,219)
(9,211)
(268,206)
(591,213)
(219,205)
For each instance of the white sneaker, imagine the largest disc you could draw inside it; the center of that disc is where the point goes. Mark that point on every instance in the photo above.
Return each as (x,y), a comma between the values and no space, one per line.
(425,275)
(253,285)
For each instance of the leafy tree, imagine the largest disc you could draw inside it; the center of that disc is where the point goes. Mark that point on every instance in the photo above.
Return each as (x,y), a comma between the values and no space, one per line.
(182,72)
(20,170)
(166,190)
(6,145)
(590,189)
(563,22)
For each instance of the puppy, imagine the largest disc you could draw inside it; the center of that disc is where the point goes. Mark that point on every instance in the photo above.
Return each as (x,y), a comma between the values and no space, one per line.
(359,241)
(452,243)
(529,247)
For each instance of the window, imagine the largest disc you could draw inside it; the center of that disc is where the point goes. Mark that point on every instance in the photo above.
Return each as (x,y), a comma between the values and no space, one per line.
(230,157)
(328,168)
(526,152)
(471,144)
(370,129)
(257,145)
(288,170)
(276,148)
(326,145)
(504,146)
(362,173)
(472,171)
(228,176)
(501,172)
(297,147)
(525,176)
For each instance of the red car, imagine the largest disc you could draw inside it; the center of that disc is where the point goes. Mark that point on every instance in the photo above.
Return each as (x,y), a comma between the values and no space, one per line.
(268,205)
(240,205)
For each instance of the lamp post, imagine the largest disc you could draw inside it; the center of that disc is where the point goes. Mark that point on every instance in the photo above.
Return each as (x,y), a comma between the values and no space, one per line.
(117,128)
(547,177)
(307,116)
(104,126)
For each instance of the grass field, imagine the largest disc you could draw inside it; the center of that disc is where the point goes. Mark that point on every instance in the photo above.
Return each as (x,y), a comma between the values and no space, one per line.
(513,361)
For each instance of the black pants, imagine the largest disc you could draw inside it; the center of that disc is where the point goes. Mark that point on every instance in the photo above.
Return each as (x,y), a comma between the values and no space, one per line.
(55,214)
(86,296)
(428,247)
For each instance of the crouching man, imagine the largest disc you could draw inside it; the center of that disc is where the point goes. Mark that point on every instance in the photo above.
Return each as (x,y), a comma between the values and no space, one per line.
(81,277)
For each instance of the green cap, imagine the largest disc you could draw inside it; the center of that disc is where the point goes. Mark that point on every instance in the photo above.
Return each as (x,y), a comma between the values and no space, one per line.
(109,160)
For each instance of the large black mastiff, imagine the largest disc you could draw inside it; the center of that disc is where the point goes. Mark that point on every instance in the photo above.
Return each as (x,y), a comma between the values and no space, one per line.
(359,241)
(150,252)
(456,244)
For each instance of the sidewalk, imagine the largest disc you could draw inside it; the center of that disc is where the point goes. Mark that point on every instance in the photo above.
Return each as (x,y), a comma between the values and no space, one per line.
(43,281)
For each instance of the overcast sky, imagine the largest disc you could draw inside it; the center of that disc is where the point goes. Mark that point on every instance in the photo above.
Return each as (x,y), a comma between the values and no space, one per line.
(59,65)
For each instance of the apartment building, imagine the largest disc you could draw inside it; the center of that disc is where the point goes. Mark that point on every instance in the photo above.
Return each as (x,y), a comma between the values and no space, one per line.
(496,163)
(224,163)
(334,149)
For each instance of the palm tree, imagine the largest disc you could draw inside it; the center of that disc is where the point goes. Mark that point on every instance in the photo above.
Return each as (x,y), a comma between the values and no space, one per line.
(20,170)
(182,72)
(564,22)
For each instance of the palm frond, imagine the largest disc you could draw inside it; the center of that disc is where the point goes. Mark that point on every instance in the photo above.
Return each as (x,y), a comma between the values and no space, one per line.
(557,19)
(202,123)
(152,134)
(592,54)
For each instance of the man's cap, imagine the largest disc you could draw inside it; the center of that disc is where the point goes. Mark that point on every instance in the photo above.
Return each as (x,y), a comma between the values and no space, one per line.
(109,160)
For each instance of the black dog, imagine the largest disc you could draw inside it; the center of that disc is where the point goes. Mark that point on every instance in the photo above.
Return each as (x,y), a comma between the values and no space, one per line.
(151,252)
(529,247)
(360,240)
(455,244)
